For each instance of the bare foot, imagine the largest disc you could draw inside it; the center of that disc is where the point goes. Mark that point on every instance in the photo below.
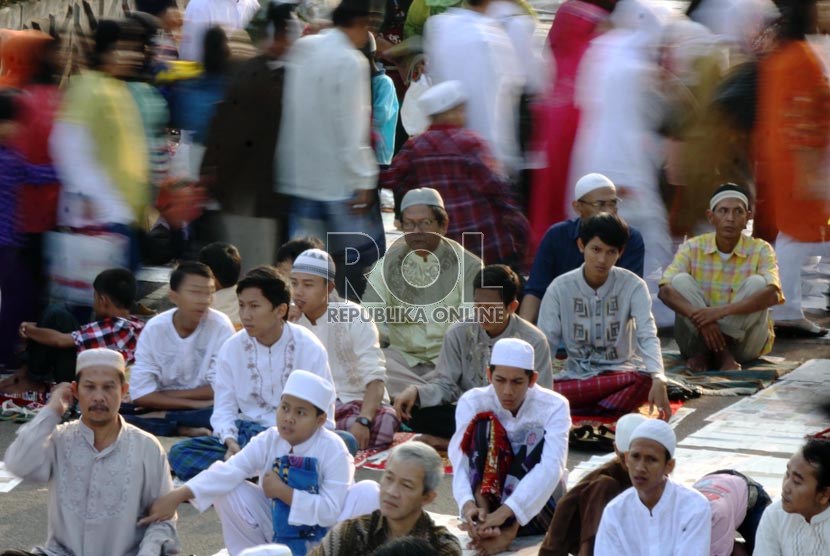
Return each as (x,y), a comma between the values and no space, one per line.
(20,382)
(726,362)
(698,363)
(440,444)
(500,543)
(193,432)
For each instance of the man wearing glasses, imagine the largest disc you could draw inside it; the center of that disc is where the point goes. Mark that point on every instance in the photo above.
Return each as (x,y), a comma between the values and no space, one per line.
(558,252)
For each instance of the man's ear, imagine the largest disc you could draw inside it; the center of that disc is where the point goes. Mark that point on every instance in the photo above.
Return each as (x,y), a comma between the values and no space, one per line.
(330,286)
(282,310)
(74,387)
(322,418)
(533,378)
(670,466)
(512,307)
(824,496)
(710,216)
(429,497)
(489,375)
(580,245)
(125,387)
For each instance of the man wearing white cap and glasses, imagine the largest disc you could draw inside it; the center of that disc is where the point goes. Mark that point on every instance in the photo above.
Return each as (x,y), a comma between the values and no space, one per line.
(457,163)
(102,473)
(305,478)
(509,451)
(558,252)
(656,515)
(415,287)
(351,340)
(721,286)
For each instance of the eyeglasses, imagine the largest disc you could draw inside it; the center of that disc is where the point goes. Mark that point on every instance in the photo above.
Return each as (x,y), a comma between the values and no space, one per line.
(424,224)
(610,203)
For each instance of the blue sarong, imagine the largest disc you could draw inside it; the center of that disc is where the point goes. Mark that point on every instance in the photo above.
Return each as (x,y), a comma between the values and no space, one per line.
(300,473)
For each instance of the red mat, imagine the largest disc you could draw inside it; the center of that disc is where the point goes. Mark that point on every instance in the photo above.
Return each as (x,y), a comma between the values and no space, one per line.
(376,459)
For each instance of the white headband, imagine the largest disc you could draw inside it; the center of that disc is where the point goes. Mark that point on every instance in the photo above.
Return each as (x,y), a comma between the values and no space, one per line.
(728,194)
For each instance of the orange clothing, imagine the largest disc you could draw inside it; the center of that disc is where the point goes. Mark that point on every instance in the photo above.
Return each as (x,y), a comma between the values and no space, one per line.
(791,138)
(18,53)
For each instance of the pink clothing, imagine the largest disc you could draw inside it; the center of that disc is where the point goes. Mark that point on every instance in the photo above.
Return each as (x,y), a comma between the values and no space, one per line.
(728,497)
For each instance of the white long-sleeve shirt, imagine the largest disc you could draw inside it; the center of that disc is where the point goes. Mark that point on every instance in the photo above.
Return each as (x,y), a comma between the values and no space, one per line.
(249,377)
(785,534)
(199,16)
(473,48)
(521,28)
(95,498)
(679,525)
(544,414)
(353,348)
(166,361)
(324,152)
(336,475)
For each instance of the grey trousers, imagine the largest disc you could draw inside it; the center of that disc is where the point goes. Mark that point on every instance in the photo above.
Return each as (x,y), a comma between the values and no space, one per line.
(399,374)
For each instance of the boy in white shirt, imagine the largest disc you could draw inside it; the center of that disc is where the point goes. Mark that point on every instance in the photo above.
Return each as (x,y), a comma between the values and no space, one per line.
(250,372)
(357,362)
(171,376)
(298,444)
(509,451)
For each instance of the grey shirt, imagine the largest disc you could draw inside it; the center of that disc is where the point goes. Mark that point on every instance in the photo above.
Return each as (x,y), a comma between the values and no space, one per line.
(609,329)
(465,357)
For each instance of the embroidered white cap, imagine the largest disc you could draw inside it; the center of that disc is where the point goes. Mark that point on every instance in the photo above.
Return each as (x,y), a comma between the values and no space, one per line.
(513,352)
(316,262)
(591,182)
(307,386)
(422,196)
(100,357)
(267,550)
(657,430)
(442,97)
(625,427)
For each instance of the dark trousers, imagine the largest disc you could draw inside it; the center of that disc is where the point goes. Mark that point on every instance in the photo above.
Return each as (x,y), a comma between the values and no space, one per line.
(169,425)
(12,303)
(46,363)
(437,421)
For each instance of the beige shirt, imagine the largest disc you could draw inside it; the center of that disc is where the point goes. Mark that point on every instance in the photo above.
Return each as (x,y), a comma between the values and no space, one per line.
(95,498)
(225,301)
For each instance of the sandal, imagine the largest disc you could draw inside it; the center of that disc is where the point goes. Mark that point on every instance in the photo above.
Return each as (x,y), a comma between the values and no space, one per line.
(9,410)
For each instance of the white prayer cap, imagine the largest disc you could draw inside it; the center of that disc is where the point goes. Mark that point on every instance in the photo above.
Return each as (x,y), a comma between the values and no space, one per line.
(625,426)
(316,262)
(267,550)
(513,352)
(307,386)
(442,97)
(657,430)
(591,182)
(422,196)
(100,357)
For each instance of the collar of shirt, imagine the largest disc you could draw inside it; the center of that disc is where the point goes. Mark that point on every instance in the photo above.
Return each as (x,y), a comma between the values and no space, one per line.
(603,290)
(303,448)
(89,435)
(420,529)
(284,337)
(665,500)
(711,247)
(338,37)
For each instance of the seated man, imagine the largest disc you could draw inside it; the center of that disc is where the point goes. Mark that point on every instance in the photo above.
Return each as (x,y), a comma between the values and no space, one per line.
(291,249)
(601,312)
(656,515)
(224,261)
(737,503)
(509,451)
(799,523)
(465,355)
(174,356)
(305,474)
(409,483)
(573,528)
(250,372)
(559,253)
(99,453)
(420,278)
(457,163)
(721,286)
(56,341)
(356,360)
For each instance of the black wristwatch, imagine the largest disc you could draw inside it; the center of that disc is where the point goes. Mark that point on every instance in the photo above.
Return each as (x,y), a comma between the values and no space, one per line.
(364,421)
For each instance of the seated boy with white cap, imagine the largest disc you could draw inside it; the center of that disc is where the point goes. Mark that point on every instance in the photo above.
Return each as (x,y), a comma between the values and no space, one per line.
(509,451)
(457,163)
(656,515)
(298,451)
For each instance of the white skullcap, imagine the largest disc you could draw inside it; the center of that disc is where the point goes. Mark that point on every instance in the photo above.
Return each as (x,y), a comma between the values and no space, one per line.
(625,426)
(591,182)
(99,357)
(442,97)
(307,386)
(657,430)
(316,262)
(728,194)
(513,352)
(422,196)
(267,550)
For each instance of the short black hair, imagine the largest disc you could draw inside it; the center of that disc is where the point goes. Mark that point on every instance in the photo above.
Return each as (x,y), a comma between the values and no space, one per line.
(499,276)
(732,187)
(817,453)
(796,19)
(290,250)
(188,268)
(107,34)
(8,105)
(607,227)
(118,284)
(279,14)
(224,261)
(345,16)
(217,52)
(273,285)
(405,546)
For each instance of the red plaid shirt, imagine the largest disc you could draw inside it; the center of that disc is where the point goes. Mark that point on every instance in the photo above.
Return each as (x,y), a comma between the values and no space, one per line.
(457,163)
(119,334)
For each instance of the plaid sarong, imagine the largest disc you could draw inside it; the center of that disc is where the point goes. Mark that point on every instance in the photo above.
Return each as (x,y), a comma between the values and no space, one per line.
(300,473)
(190,457)
(384,425)
(612,393)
